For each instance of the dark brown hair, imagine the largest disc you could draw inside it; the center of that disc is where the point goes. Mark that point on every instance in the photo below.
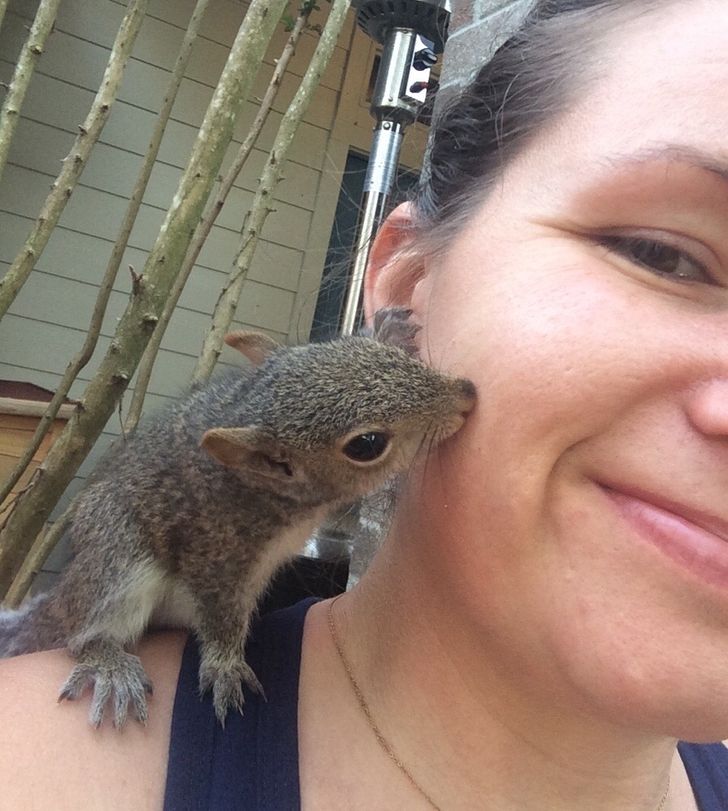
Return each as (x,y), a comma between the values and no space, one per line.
(531,78)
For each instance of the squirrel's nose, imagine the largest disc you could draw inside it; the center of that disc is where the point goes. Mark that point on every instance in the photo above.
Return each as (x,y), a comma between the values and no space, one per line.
(467,395)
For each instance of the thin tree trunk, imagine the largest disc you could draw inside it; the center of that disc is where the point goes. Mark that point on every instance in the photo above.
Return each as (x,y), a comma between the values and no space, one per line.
(112,267)
(75,162)
(31,509)
(228,300)
(33,563)
(204,227)
(3,9)
(33,47)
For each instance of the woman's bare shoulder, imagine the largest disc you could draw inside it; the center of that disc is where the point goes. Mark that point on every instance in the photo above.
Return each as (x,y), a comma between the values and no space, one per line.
(51,757)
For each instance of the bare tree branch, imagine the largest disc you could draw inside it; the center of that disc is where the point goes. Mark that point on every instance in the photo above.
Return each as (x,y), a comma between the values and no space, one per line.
(33,47)
(253,225)
(75,162)
(102,394)
(112,267)
(3,9)
(204,227)
(33,563)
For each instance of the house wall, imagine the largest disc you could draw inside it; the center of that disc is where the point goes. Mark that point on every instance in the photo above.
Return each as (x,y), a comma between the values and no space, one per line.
(51,313)
(477,28)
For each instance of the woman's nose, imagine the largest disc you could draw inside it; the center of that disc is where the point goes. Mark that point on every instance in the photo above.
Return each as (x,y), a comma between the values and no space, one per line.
(708,407)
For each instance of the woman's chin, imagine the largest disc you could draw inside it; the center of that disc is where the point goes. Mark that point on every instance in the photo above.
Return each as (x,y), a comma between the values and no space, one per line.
(682,702)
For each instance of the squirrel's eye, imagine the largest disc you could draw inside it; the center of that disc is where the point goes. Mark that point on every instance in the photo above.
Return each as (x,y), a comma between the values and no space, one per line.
(366,447)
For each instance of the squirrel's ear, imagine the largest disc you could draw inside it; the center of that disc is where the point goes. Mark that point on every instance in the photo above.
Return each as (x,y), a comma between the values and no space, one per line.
(256,346)
(394,325)
(249,449)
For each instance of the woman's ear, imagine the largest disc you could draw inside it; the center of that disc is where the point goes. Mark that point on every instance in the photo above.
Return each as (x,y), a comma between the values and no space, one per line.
(393,269)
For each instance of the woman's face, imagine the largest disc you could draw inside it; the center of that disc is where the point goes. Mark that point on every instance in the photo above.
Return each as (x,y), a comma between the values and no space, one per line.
(581,516)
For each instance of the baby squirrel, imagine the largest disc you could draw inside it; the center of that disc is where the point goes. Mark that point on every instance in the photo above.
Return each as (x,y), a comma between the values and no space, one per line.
(184,523)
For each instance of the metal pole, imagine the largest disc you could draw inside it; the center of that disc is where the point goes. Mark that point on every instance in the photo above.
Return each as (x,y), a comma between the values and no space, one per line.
(377,187)
(411,32)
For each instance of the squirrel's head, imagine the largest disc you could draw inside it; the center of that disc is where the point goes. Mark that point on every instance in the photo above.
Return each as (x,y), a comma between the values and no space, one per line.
(333,421)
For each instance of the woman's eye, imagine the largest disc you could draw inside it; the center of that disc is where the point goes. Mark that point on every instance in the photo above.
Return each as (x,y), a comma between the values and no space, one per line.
(659,257)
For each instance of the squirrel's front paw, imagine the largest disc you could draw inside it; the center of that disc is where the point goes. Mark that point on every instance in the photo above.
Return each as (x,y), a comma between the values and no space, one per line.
(226,683)
(115,675)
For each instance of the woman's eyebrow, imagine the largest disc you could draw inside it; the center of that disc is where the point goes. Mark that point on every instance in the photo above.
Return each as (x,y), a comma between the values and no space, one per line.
(670,153)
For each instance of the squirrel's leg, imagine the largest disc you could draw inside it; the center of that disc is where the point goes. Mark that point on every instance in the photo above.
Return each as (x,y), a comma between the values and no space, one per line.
(114,674)
(222,631)
(111,621)
(226,598)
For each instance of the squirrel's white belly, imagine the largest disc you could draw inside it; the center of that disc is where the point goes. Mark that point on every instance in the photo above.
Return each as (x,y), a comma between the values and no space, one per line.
(176,606)
(281,548)
(150,597)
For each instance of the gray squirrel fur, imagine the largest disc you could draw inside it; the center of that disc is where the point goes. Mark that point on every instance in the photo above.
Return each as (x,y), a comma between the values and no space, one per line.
(184,523)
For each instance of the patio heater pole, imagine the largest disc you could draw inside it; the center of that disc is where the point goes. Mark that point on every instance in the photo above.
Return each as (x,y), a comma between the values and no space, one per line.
(412,33)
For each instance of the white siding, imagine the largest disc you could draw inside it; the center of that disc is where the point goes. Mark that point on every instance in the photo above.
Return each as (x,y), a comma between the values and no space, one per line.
(62,290)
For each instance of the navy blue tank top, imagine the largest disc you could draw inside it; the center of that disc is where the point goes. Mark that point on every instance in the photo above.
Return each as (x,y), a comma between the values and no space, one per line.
(252,765)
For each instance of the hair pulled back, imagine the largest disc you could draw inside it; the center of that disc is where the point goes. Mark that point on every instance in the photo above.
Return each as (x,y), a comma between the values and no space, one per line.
(531,78)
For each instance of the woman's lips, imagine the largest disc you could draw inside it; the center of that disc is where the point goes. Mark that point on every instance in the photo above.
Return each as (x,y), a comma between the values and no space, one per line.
(696,540)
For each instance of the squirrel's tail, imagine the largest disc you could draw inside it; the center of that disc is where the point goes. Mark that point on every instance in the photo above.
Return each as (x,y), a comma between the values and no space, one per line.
(21,630)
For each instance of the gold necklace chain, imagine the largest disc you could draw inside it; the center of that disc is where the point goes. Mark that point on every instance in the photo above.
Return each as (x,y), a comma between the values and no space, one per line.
(665,795)
(383,742)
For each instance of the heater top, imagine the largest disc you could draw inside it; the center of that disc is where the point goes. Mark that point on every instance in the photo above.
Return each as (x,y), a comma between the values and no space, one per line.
(429,18)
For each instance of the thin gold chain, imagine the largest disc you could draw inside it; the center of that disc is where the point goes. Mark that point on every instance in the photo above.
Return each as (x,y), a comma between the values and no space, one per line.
(383,742)
(664,796)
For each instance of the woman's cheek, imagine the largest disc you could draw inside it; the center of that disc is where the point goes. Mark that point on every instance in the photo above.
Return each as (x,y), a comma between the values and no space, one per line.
(539,360)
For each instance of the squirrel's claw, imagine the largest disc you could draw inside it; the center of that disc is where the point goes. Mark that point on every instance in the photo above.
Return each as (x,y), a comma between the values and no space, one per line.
(118,678)
(81,676)
(102,691)
(248,677)
(227,694)
(226,684)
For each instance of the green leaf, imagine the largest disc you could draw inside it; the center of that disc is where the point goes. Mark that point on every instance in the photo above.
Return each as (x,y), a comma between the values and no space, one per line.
(288,21)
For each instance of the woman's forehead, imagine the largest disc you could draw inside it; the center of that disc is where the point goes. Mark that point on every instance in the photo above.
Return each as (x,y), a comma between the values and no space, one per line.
(659,97)
(664,82)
